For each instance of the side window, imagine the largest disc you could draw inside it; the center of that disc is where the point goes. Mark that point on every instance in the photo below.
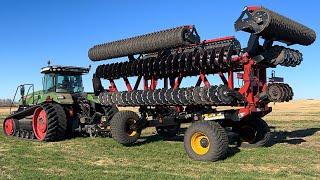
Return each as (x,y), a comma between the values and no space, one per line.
(48,85)
(78,87)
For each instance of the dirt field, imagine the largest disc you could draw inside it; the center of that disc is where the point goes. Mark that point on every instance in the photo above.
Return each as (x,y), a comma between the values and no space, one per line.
(294,154)
(6,110)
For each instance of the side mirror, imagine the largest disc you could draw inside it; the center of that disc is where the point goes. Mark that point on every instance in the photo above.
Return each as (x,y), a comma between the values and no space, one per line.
(22,91)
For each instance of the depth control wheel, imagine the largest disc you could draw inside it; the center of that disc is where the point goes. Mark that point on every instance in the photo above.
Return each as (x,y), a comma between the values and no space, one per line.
(49,122)
(254,132)
(9,127)
(125,127)
(206,141)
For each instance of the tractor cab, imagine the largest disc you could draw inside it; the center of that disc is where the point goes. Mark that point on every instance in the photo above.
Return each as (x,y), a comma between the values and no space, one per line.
(63,79)
(59,83)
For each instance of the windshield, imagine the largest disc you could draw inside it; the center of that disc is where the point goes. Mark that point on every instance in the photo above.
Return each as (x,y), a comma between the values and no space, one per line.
(69,83)
(63,83)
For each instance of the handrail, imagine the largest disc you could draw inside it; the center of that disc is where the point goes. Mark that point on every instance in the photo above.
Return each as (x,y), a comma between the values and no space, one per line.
(31,86)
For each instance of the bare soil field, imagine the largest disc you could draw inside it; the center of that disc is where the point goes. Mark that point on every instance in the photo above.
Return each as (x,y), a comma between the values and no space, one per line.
(6,110)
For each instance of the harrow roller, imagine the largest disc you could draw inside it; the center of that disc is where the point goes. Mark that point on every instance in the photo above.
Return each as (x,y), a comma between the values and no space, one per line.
(148,43)
(190,61)
(273,26)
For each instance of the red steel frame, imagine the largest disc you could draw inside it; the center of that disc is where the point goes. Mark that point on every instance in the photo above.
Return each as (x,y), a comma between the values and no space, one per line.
(253,76)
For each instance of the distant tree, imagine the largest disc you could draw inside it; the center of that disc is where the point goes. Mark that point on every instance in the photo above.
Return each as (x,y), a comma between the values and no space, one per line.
(5,102)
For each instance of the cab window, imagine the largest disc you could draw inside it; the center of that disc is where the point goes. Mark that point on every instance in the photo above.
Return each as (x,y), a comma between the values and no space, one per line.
(69,83)
(48,83)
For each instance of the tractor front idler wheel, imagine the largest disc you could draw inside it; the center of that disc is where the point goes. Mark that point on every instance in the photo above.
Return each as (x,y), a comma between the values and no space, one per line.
(49,122)
(10,127)
(254,132)
(125,127)
(206,141)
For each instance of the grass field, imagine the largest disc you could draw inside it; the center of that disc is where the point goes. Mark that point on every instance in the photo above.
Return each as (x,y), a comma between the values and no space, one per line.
(295,154)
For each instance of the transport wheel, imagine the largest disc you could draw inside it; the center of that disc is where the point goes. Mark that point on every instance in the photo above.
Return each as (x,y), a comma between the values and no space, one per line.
(9,127)
(168,131)
(254,132)
(206,141)
(49,122)
(124,127)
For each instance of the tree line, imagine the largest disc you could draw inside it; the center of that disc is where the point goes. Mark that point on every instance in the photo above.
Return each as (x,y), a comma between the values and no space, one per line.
(5,102)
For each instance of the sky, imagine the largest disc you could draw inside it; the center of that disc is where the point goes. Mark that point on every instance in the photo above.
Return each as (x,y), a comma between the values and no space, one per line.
(34,31)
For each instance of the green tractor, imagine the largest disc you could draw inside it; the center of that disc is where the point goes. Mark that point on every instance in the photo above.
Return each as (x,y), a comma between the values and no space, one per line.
(61,110)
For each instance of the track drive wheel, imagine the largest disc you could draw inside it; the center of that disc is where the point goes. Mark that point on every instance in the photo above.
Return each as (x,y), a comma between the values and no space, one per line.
(206,141)
(124,127)
(254,132)
(49,122)
(168,131)
(9,127)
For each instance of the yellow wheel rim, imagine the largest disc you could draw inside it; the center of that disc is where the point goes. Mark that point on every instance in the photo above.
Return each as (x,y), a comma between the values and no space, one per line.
(200,143)
(132,133)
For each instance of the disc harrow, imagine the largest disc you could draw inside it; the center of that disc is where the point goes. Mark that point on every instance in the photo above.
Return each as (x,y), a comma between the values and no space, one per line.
(279,92)
(176,53)
(213,95)
(279,55)
(208,57)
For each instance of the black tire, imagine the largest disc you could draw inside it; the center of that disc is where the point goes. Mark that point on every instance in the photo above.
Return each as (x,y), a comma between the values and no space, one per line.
(216,143)
(120,127)
(254,132)
(56,122)
(168,131)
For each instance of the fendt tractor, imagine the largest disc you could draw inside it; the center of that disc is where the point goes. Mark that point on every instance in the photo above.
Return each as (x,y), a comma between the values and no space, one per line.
(157,78)
(61,110)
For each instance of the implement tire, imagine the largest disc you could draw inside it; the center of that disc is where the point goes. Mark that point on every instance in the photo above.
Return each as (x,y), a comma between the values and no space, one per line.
(206,141)
(254,132)
(122,127)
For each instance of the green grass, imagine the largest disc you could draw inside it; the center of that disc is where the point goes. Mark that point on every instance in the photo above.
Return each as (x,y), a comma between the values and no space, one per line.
(295,155)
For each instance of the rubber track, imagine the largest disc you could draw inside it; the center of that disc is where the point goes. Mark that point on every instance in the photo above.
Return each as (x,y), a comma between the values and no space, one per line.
(57,122)
(213,95)
(279,55)
(147,43)
(280,28)
(24,131)
(57,125)
(208,58)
